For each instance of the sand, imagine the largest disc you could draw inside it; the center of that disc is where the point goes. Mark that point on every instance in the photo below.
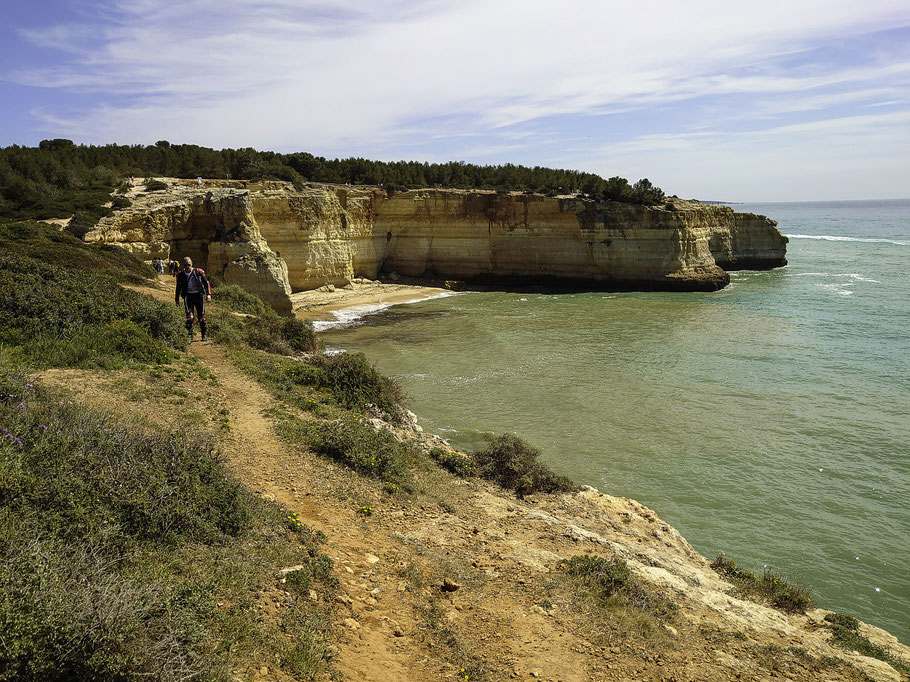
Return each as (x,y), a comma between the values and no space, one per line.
(320,305)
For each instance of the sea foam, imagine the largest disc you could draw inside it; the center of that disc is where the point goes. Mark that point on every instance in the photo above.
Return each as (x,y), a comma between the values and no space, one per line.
(833,238)
(348,316)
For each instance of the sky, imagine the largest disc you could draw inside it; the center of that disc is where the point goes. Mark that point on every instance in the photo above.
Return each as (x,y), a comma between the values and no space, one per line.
(771,100)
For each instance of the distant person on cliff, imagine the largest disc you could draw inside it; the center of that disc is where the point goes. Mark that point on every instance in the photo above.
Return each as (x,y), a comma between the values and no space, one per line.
(194,286)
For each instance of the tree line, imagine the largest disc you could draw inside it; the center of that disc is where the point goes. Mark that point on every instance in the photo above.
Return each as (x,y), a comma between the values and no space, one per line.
(59,178)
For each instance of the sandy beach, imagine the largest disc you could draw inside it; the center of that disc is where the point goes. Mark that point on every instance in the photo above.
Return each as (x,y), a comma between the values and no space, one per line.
(323,305)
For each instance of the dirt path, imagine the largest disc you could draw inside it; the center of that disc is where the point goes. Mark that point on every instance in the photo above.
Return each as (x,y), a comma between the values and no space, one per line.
(371,651)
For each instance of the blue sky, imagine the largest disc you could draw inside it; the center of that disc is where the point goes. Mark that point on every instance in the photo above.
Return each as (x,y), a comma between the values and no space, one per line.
(749,101)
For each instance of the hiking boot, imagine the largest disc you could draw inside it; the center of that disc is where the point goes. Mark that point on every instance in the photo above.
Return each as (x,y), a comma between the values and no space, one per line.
(204,338)
(191,338)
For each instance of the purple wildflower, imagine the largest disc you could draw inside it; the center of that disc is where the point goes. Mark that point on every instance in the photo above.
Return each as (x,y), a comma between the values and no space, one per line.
(44,426)
(10,436)
(28,385)
(18,441)
(21,405)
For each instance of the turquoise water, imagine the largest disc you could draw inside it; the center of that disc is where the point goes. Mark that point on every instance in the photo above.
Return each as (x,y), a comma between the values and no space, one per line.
(769,421)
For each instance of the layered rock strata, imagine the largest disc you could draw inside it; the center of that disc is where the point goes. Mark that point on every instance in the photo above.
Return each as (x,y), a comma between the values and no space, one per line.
(272,239)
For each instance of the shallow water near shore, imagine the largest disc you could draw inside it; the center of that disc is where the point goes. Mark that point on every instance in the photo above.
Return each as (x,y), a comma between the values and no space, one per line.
(769,421)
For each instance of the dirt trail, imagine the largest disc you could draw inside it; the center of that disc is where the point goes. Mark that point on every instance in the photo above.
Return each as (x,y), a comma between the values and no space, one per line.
(371,652)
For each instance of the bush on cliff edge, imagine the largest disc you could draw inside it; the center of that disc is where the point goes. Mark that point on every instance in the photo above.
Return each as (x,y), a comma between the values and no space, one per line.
(514,465)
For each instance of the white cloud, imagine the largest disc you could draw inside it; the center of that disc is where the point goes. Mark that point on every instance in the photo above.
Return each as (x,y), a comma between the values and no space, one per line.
(852,157)
(364,78)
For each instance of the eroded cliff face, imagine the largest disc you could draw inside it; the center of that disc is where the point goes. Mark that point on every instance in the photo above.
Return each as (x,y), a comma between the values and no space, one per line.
(216,228)
(272,239)
(486,235)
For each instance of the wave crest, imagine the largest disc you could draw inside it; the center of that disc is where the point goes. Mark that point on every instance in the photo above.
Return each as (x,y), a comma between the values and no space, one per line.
(834,238)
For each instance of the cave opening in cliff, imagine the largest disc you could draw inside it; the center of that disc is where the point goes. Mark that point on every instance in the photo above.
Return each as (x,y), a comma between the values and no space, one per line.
(192,239)
(197,249)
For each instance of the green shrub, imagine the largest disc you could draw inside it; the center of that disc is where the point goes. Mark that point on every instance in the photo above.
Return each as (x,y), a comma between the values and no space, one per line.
(239,300)
(154,185)
(607,576)
(46,244)
(458,463)
(224,327)
(81,223)
(358,446)
(300,335)
(514,465)
(356,384)
(87,471)
(609,580)
(264,329)
(264,333)
(842,620)
(119,201)
(845,634)
(770,587)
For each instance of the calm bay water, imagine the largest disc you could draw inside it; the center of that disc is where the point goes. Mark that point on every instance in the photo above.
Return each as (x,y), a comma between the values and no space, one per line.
(769,421)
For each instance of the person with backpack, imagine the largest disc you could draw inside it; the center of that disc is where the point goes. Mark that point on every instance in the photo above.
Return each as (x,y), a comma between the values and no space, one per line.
(194,287)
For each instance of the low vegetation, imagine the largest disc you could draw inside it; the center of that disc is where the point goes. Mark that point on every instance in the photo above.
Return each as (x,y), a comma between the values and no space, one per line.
(769,588)
(845,634)
(239,317)
(456,462)
(514,465)
(317,382)
(611,581)
(356,384)
(63,305)
(154,185)
(374,453)
(127,552)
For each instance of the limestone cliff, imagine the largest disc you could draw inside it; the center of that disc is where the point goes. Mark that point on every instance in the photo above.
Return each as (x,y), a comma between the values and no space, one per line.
(216,228)
(272,239)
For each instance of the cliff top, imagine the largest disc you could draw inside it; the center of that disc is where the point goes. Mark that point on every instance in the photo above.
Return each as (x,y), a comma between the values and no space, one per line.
(179,189)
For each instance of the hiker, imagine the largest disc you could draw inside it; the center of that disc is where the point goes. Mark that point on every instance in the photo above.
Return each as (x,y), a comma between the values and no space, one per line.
(174,267)
(194,286)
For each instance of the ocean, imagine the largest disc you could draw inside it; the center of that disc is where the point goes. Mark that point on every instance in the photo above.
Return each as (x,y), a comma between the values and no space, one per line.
(769,421)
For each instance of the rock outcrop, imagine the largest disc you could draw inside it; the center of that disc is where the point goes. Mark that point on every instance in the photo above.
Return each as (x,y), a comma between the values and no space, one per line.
(272,239)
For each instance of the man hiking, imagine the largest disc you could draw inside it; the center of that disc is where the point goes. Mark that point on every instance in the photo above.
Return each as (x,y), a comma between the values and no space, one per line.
(194,286)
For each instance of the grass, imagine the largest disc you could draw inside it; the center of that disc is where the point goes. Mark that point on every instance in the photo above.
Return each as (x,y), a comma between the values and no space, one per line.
(770,588)
(846,635)
(127,551)
(514,465)
(607,604)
